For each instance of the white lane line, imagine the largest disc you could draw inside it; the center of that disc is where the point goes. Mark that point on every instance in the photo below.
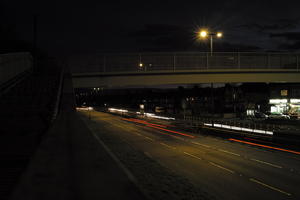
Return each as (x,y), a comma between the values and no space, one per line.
(148,154)
(179,138)
(192,155)
(204,145)
(137,134)
(149,138)
(266,163)
(221,167)
(114,157)
(222,150)
(166,145)
(270,187)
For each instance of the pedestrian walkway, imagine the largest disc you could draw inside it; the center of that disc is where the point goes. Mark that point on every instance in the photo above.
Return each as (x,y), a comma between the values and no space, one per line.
(71,164)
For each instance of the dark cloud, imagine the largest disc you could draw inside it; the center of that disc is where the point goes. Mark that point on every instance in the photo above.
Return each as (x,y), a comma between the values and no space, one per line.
(236,47)
(291,40)
(292,36)
(91,26)
(279,24)
(165,37)
(294,46)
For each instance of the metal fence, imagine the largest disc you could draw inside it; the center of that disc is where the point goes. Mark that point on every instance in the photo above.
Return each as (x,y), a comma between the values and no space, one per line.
(13,64)
(180,61)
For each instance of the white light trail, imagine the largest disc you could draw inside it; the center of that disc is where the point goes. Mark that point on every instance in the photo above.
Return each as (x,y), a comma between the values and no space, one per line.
(239,128)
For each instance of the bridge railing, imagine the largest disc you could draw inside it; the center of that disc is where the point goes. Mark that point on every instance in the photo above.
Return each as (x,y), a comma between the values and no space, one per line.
(180,61)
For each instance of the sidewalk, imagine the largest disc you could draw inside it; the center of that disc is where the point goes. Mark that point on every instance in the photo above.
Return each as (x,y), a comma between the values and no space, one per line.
(71,164)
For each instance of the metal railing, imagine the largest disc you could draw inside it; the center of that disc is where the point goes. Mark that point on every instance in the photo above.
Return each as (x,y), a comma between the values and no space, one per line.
(184,61)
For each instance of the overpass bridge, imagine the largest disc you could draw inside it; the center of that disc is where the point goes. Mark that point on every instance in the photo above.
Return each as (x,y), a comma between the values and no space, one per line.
(150,69)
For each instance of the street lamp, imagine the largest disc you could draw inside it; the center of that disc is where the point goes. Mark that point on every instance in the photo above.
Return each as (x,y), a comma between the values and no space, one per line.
(204,34)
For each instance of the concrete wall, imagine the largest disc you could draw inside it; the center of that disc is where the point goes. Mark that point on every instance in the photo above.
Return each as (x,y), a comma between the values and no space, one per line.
(13,64)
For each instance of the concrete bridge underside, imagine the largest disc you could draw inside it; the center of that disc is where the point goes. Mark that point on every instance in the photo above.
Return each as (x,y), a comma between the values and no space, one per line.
(140,79)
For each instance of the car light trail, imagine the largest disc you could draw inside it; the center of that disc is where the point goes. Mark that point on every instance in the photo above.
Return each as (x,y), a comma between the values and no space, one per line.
(117,110)
(151,115)
(157,126)
(261,145)
(143,122)
(85,108)
(187,135)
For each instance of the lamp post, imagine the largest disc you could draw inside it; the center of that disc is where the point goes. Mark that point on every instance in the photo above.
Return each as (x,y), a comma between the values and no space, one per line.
(205,34)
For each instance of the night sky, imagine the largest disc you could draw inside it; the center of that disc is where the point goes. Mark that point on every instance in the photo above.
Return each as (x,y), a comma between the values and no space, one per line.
(75,27)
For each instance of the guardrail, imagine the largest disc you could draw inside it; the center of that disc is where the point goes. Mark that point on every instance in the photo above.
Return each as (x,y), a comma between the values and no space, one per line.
(179,61)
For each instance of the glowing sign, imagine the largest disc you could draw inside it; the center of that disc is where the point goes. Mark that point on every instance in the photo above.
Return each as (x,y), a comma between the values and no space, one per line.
(277,101)
(295,100)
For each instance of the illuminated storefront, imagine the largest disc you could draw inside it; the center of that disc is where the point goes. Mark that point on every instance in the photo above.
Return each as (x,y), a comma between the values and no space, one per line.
(285,99)
(295,107)
(279,105)
(286,106)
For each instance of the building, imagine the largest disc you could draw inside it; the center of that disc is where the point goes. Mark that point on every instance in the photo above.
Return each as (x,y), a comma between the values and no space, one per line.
(285,99)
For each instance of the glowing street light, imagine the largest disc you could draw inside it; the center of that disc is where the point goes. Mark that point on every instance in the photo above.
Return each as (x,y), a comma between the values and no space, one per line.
(219,34)
(204,34)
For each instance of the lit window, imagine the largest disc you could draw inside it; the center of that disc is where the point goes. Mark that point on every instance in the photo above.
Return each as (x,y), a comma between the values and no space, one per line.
(284,92)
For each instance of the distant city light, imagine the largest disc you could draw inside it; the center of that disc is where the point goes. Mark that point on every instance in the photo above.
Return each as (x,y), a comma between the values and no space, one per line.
(277,101)
(84,108)
(295,100)
(117,110)
(219,34)
(151,115)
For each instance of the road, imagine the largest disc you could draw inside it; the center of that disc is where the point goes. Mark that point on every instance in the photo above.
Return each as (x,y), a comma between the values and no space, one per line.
(224,168)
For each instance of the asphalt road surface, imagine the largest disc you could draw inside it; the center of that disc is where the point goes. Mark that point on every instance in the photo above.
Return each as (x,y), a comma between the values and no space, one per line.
(227,169)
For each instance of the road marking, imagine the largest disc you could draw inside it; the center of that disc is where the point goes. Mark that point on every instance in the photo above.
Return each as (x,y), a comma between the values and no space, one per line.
(192,155)
(263,162)
(179,138)
(219,166)
(114,157)
(229,152)
(149,138)
(148,154)
(204,145)
(167,145)
(270,187)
